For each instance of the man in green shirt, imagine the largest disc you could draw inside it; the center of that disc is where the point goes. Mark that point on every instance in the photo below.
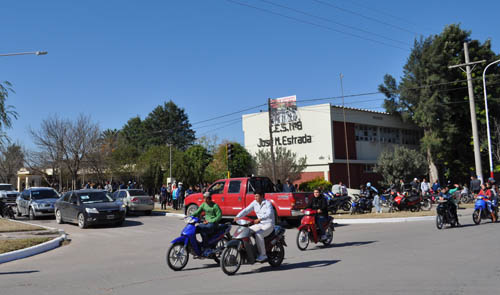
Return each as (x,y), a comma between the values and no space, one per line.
(213,215)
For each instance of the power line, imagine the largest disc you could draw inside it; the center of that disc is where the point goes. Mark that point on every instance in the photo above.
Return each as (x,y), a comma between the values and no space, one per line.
(315,24)
(233,113)
(366,17)
(334,22)
(385,13)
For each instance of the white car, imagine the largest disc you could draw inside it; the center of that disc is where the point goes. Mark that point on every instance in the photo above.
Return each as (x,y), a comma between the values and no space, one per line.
(8,194)
(135,200)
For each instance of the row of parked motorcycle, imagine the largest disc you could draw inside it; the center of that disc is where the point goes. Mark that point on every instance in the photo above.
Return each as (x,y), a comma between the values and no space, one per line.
(393,200)
(230,252)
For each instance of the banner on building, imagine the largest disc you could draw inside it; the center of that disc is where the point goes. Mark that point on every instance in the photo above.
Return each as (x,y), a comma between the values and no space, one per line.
(284,110)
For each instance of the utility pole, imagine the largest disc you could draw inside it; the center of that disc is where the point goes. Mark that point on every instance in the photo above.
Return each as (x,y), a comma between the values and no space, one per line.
(271,141)
(472,105)
(345,134)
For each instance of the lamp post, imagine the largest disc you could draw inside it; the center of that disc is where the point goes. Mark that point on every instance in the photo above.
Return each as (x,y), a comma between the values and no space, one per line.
(487,119)
(25,53)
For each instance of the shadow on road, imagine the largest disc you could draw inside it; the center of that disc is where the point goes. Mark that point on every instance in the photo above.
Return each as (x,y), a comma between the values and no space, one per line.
(349,244)
(18,272)
(126,223)
(205,266)
(289,266)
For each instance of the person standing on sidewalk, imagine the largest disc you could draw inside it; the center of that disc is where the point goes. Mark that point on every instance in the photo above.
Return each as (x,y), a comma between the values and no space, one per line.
(475,185)
(175,192)
(163,197)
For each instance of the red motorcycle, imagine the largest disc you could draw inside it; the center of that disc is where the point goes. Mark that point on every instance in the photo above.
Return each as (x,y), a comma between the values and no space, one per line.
(309,231)
(411,202)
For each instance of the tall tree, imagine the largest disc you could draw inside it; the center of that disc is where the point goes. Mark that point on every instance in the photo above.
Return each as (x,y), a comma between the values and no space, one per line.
(435,98)
(11,160)
(134,133)
(288,165)
(400,163)
(168,123)
(195,161)
(7,112)
(240,166)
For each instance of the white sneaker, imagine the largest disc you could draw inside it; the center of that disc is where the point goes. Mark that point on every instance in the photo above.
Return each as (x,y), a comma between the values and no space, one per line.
(261,258)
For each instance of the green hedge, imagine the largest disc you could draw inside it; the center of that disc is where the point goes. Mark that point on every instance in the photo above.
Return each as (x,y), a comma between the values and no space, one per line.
(311,185)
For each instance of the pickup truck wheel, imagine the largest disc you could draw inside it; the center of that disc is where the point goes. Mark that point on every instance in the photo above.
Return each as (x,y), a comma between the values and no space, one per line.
(277,219)
(191,209)
(32,215)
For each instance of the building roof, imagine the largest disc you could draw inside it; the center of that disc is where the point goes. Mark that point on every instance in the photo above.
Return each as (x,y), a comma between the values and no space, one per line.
(361,110)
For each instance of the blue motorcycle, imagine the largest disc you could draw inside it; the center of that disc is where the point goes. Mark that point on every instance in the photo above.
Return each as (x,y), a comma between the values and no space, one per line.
(178,253)
(481,210)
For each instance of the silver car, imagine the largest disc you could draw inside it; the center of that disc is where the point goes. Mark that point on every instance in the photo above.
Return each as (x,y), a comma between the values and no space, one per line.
(135,200)
(36,202)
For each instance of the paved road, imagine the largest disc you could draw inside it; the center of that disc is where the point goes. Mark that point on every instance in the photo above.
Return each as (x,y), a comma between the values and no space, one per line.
(406,258)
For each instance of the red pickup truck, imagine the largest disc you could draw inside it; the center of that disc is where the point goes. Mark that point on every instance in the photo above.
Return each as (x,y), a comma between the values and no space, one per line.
(234,194)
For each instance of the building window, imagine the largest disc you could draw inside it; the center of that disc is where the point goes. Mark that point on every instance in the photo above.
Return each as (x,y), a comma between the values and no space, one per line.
(369,168)
(389,135)
(366,133)
(410,137)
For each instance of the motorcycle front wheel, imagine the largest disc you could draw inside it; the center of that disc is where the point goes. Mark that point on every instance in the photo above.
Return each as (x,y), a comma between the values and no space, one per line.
(276,255)
(220,245)
(439,221)
(476,216)
(302,239)
(346,206)
(427,205)
(230,260)
(177,256)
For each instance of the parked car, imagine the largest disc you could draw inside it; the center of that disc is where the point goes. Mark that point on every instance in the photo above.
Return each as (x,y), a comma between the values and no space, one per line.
(135,200)
(8,194)
(88,207)
(36,202)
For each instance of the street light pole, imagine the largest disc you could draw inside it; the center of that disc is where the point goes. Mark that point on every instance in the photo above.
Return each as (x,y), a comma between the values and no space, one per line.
(25,53)
(487,119)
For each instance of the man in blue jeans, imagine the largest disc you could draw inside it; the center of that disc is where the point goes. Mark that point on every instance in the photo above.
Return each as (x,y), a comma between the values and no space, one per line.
(319,204)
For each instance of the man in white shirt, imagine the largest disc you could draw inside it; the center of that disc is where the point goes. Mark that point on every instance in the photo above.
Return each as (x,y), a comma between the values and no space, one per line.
(263,225)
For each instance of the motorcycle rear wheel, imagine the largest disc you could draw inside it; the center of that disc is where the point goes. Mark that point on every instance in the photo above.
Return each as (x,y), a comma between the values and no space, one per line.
(302,239)
(476,216)
(346,206)
(329,234)
(276,255)
(230,260)
(177,256)
(439,221)
(427,205)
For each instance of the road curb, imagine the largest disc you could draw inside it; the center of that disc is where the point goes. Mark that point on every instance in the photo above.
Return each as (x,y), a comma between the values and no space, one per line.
(175,215)
(383,220)
(34,250)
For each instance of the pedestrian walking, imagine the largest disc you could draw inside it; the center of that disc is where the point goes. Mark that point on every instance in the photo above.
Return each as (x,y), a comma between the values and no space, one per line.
(175,192)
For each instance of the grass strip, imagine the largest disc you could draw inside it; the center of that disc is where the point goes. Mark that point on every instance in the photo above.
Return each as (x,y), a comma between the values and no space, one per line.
(16,244)
(12,226)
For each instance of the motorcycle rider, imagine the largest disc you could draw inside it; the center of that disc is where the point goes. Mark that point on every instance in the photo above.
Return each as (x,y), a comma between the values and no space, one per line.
(213,214)
(486,193)
(263,225)
(373,193)
(444,195)
(319,204)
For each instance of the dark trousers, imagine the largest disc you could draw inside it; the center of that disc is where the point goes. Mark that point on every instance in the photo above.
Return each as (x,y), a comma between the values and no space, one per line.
(320,219)
(175,204)
(206,229)
(163,202)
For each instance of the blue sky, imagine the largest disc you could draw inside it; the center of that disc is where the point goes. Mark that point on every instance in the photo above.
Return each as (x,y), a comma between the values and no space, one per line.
(117,59)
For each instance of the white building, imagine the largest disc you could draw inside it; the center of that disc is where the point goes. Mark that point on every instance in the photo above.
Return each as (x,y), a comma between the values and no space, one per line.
(319,135)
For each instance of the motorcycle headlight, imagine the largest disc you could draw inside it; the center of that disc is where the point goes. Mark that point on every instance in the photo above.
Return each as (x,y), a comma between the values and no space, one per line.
(91,210)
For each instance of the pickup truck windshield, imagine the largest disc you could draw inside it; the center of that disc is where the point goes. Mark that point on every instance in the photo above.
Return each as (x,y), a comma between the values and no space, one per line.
(44,194)
(6,187)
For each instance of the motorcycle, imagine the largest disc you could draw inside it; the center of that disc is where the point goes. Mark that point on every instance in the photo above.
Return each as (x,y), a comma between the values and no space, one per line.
(309,230)
(6,211)
(241,250)
(178,253)
(466,198)
(444,215)
(337,202)
(481,209)
(361,204)
(413,202)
